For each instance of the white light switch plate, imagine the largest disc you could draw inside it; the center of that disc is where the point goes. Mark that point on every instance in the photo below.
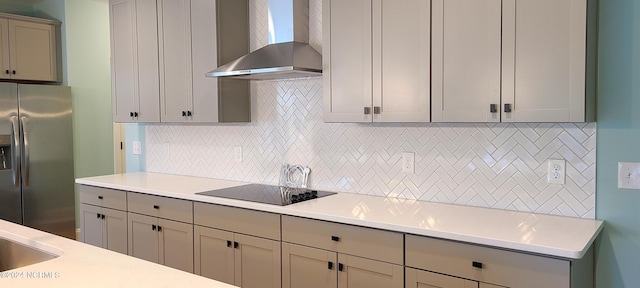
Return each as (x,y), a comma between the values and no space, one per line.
(137,148)
(628,175)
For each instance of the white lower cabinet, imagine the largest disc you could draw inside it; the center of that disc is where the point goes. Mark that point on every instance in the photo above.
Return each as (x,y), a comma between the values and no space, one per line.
(317,268)
(161,241)
(237,259)
(237,246)
(425,279)
(104,227)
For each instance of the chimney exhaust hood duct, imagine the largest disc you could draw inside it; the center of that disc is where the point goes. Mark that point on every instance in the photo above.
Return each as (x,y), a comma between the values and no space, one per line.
(288,54)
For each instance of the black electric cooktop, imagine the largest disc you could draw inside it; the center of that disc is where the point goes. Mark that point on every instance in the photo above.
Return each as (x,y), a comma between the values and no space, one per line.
(267,194)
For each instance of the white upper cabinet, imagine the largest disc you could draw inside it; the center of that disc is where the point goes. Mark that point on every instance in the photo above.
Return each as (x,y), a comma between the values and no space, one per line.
(30,49)
(134,61)
(376,60)
(458,61)
(161,50)
(544,52)
(466,60)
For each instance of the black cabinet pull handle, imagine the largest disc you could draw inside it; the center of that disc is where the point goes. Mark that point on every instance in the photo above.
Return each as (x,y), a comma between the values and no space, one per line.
(101,216)
(153,227)
(131,114)
(477,264)
(184,113)
(340,267)
(335,238)
(7,72)
(135,114)
(228,243)
(367,110)
(236,245)
(376,110)
(100,197)
(507,108)
(189,113)
(493,108)
(14,72)
(330,265)
(156,207)
(159,228)
(98,215)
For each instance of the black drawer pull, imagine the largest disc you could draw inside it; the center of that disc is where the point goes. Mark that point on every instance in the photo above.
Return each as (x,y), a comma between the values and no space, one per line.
(156,207)
(101,216)
(335,238)
(330,265)
(14,72)
(98,215)
(184,113)
(228,243)
(493,108)
(340,267)
(236,245)
(131,114)
(153,227)
(6,72)
(507,108)
(189,113)
(159,228)
(477,264)
(100,197)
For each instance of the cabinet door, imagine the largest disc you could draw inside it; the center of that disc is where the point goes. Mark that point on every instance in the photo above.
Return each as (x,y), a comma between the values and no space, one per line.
(544,60)
(91,227)
(257,262)
(143,237)
(308,267)
(148,85)
(174,24)
(214,254)
(356,272)
(4,50)
(205,50)
(115,230)
(466,60)
(123,71)
(424,279)
(32,49)
(176,244)
(401,60)
(347,62)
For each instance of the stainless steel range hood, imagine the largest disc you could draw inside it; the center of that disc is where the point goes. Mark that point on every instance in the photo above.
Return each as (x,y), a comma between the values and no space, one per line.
(288,54)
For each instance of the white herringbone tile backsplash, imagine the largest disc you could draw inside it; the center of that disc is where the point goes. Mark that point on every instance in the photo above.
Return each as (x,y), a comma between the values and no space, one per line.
(488,165)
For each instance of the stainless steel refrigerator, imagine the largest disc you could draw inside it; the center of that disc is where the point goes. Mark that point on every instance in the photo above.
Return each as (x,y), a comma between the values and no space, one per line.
(36,157)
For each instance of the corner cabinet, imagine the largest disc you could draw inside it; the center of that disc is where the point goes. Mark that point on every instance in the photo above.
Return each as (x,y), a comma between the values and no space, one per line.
(30,49)
(103,218)
(376,62)
(237,246)
(325,254)
(161,51)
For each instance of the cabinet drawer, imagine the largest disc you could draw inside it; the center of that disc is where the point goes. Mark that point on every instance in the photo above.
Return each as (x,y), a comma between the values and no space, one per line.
(250,222)
(162,207)
(114,199)
(499,267)
(358,241)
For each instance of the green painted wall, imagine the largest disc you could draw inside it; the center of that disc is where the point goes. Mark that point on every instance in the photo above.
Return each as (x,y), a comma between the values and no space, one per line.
(618,250)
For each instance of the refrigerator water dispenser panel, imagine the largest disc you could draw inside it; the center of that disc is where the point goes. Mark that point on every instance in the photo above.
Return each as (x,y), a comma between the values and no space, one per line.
(5,152)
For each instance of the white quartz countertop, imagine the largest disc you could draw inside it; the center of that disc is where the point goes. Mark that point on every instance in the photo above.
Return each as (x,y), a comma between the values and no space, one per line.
(83,265)
(556,236)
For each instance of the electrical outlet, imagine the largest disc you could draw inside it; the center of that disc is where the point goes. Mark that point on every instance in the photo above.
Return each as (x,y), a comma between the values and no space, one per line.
(628,175)
(237,153)
(556,171)
(408,162)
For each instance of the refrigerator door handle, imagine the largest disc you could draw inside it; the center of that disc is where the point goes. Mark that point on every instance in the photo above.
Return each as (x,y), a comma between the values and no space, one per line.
(15,147)
(25,134)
